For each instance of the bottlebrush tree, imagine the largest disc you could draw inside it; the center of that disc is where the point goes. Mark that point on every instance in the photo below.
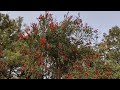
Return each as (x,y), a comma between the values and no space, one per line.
(60,50)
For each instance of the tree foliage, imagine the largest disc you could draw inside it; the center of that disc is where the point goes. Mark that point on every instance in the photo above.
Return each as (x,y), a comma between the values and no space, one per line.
(55,50)
(9,29)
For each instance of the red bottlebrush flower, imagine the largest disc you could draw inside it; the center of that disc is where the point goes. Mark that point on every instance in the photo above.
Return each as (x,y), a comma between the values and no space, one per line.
(42,46)
(34,25)
(66,76)
(65,58)
(51,25)
(98,75)
(86,73)
(20,35)
(37,52)
(20,39)
(79,72)
(88,66)
(110,71)
(84,60)
(26,37)
(41,17)
(36,30)
(88,56)
(97,71)
(42,40)
(29,52)
(70,76)
(42,59)
(106,77)
(50,17)
(96,56)
(75,66)
(22,69)
(77,22)
(36,56)
(110,74)
(92,77)
(80,67)
(91,61)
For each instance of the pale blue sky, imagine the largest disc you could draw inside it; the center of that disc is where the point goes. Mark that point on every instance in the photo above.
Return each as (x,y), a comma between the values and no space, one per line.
(102,20)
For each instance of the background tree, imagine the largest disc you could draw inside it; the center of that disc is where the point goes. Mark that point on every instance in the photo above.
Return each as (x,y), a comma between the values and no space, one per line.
(9,29)
(112,40)
(113,52)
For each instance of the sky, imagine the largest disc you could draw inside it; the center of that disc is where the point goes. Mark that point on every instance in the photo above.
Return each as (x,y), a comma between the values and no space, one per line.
(101,20)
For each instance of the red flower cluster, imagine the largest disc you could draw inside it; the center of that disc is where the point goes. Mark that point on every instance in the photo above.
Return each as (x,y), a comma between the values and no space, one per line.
(35,28)
(41,17)
(86,73)
(65,58)
(79,67)
(69,76)
(37,52)
(96,56)
(42,41)
(53,26)
(78,22)
(20,35)
(75,66)
(40,61)
(23,67)
(88,56)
